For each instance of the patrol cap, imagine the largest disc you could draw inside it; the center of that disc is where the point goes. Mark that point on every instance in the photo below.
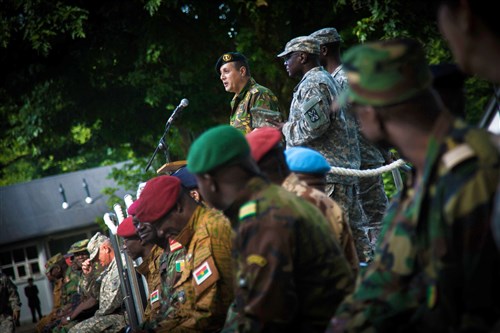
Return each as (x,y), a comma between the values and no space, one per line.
(386,72)
(126,229)
(326,36)
(262,140)
(53,261)
(188,180)
(94,243)
(229,57)
(158,198)
(306,160)
(215,147)
(303,43)
(79,246)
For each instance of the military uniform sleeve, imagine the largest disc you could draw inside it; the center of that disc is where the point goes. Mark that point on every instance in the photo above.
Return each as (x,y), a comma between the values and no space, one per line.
(110,295)
(312,120)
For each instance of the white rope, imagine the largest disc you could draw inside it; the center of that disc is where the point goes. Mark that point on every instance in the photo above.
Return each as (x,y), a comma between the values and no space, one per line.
(368,172)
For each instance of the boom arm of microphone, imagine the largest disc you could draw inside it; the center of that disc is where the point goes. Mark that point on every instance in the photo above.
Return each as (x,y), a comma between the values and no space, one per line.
(161,144)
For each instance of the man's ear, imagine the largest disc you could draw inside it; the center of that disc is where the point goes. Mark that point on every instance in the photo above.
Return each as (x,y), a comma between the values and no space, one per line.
(243,71)
(303,57)
(323,50)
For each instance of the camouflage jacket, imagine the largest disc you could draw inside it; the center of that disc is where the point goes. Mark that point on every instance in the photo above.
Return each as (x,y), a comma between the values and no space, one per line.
(291,273)
(371,156)
(9,297)
(150,268)
(312,124)
(333,213)
(69,290)
(436,268)
(253,95)
(197,278)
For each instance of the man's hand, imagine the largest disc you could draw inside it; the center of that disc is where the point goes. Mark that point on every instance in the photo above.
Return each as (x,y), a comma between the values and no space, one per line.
(87,267)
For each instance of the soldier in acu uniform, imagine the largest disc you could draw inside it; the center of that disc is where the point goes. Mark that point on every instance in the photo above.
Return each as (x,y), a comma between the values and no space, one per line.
(10,304)
(290,273)
(312,124)
(435,268)
(104,287)
(249,96)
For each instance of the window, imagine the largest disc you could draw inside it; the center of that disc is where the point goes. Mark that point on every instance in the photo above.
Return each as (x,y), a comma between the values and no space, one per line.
(20,263)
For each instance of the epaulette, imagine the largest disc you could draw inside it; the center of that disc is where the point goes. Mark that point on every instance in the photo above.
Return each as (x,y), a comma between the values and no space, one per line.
(457,155)
(254,90)
(247,210)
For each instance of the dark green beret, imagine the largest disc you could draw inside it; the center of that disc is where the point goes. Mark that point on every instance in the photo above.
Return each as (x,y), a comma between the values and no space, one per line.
(216,147)
(229,57)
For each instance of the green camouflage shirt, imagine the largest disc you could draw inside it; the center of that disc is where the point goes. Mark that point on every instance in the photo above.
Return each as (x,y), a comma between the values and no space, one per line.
(291,273)
(251,96)
(436,268)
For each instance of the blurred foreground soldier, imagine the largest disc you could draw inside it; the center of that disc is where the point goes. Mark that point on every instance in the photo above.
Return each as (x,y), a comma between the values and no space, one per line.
(106,288)
(249,96)
(10,304)
(197,285)
(312,124)
(448,81)
(436,268)
(266,149)
(290,273)
(370,192)
(150,254)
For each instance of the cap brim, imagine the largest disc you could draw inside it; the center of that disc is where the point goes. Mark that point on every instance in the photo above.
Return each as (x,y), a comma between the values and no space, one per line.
(282,54)
(93,254)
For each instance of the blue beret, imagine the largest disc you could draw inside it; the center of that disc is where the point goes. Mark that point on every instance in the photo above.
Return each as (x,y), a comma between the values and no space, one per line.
(188,180)
(306,160)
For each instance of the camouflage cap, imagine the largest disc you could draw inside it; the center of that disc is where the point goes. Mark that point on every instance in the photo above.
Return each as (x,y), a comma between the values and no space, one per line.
(386,72)
(79,246)
(303,43)
(94,243)
(54,260)
(229,57)
(326,36)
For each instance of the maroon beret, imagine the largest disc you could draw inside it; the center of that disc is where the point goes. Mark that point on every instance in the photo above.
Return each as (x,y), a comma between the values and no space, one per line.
(132,210)
(158,197)
(126,229)
(262,140)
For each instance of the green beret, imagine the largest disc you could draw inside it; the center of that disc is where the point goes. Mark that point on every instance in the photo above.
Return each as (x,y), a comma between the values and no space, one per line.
(217,146)
(79,246)
(386,72)
(229,57)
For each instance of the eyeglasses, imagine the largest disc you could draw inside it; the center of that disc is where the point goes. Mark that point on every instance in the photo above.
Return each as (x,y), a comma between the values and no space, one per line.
(289,56)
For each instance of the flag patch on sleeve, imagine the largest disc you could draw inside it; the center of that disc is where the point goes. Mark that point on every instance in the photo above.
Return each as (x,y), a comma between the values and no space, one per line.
(155,296)
(202,273)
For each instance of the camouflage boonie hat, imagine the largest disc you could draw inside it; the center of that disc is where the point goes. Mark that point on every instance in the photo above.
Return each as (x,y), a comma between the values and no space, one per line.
(385,73)
(79,246)
(94,243)
(303,44)
(326,36)
(54,260)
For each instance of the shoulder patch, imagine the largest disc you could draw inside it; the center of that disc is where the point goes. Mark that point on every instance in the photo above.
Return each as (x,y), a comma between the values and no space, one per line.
(248,209)
(457,155)
(254,90)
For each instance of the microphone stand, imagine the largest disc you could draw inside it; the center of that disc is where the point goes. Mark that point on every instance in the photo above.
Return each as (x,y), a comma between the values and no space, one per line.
(161,144)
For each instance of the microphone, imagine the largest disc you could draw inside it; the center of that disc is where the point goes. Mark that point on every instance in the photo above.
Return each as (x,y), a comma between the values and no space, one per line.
(184,102)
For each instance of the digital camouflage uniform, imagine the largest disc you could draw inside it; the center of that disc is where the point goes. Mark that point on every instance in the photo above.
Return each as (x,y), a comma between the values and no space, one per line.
(312,124)
(197,278)
(9,302)
(436,268)
(253,95)
(333,213)
(109,317)
(291,272)
(371,193)
(150,269)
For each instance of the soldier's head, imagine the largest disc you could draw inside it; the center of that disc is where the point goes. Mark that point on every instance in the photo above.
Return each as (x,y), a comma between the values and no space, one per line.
(300,55)
(55,267)
(79,253)
(309,165)
(390,81)
(166,205)
(100,248)
(329,40)
(233,70)
(266,147)
(132,243)
(220,159)
(188,181)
